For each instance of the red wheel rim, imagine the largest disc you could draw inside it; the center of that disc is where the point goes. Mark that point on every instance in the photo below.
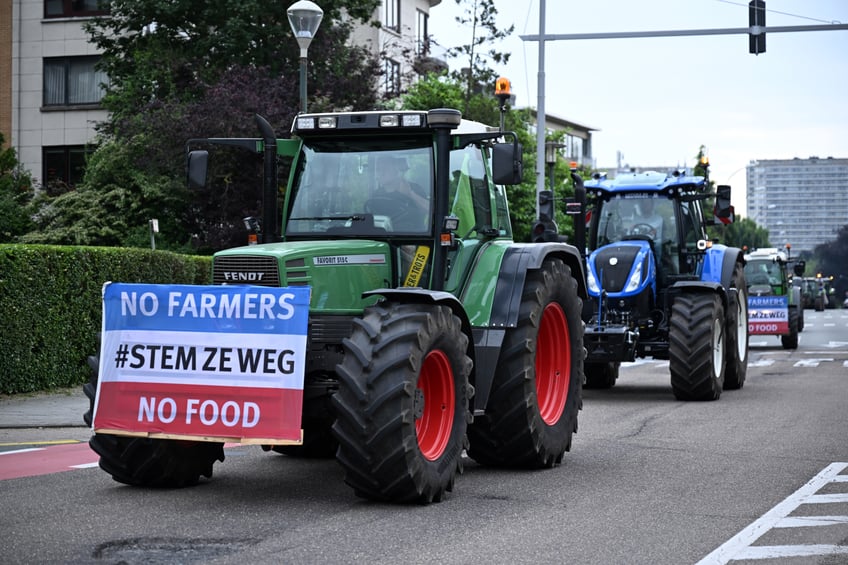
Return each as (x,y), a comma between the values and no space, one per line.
(553,363)
(434,426)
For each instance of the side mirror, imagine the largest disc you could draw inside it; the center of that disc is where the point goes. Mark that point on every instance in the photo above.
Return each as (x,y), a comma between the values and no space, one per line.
(722,204)
(799,268)
(507,166)
(196,166)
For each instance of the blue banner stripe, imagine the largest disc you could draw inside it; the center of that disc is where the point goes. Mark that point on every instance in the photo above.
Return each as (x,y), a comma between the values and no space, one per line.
(192,308)
(768,301)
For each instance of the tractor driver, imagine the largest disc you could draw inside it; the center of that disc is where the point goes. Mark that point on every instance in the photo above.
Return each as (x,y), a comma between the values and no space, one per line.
(646,221)
(406,203)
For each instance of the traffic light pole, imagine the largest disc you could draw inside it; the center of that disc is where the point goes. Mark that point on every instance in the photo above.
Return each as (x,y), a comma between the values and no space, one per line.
(754,31)
(682,32)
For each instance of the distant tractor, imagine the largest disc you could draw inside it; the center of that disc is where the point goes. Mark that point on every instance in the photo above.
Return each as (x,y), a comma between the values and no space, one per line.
(774,302)
(658,287)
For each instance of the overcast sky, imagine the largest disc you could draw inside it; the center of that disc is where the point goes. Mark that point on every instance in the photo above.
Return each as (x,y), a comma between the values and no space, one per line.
(657,100)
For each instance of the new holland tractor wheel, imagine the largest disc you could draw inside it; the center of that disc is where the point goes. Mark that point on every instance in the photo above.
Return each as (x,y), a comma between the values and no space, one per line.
(601,375)
(536,393)
(149,462)
(402,408)
(697,346)
(737,332)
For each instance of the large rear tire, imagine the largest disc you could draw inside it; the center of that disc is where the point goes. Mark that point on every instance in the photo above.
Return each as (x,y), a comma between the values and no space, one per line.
(536,394)
(697,346)
(149,462)
(402,408)
(737,332)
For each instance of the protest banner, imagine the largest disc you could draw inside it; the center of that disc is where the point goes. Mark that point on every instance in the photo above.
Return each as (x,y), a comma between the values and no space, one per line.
(203,362)
(768,315)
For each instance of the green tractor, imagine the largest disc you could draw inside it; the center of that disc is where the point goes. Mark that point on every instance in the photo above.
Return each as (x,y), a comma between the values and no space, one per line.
(431,332)
(774,303)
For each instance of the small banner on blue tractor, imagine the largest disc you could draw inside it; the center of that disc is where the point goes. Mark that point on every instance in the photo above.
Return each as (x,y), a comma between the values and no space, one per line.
(203,362)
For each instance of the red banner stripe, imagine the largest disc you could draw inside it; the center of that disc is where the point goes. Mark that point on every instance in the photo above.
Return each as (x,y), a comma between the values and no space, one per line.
(199,410)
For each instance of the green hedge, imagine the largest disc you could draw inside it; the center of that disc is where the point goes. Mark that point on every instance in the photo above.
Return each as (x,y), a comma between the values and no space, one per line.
(50,305)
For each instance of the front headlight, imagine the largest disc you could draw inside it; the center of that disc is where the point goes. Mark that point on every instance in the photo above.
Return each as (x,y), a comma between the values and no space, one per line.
(592,283)
(635,279)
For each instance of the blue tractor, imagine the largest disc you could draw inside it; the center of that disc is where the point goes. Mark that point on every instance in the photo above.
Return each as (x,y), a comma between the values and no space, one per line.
(658,286)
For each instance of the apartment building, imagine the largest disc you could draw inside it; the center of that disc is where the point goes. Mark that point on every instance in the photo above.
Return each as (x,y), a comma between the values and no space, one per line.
(51,94)
(402,41)
(802,202)
(50,90)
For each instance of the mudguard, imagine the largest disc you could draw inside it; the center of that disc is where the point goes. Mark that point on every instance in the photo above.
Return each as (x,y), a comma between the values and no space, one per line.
(517,260)
(418,295)
(719,263)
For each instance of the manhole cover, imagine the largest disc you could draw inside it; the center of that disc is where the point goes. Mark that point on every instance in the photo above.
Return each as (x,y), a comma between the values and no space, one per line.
(167,551)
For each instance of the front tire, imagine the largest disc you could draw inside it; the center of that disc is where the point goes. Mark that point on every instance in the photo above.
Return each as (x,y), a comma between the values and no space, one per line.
(601,375)
(737,332)
(536,394)
(149,462)
(697,346)
(790,341)
(402,405)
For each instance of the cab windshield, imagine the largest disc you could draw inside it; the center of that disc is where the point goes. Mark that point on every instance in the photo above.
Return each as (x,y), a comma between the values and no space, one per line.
(763,272)
(363,188)
(634,216)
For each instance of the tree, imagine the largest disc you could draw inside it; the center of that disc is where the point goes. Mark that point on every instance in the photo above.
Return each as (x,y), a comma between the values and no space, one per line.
(479,15)
(743,233)
(832,260)
(173,49)
(447,90)
(180,70)
(16,192)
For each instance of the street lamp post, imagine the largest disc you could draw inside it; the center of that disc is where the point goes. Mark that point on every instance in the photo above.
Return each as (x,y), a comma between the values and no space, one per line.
(304,18)
(551,148)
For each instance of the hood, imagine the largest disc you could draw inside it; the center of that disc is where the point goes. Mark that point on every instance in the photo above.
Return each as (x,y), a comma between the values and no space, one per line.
(622,269)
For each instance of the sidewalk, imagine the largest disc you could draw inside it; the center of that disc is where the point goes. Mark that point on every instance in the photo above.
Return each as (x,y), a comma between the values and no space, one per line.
(56,409)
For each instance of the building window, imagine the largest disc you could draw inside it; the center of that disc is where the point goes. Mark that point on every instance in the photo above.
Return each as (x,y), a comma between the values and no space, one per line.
(64,164)
(73,80)
(391,86)
(391,15)
(422,40)
(73,8)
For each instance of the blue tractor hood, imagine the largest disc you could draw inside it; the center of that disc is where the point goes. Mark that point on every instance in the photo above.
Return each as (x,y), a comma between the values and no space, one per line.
(622,269)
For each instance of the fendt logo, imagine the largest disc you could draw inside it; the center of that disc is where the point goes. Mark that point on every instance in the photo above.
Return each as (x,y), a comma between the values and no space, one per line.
(250,276)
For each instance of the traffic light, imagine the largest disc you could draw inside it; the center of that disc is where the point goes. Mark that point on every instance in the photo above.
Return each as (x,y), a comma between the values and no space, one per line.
(757,19)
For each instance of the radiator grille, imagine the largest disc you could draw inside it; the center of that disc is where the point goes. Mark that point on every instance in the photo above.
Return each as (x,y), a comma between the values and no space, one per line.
(246,269)
(329,329)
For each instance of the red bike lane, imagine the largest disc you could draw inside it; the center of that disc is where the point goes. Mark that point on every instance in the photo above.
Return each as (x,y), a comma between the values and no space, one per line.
(35,459)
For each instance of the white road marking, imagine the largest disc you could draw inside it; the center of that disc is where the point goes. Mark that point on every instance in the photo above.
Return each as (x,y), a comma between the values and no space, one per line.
(739,546)
(773,551)
(22,450)
(811,362)
(85,465)
(761,363)
(808,521)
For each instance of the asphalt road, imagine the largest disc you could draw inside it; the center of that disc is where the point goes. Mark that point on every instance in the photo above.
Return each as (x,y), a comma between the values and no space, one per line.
(649,480)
